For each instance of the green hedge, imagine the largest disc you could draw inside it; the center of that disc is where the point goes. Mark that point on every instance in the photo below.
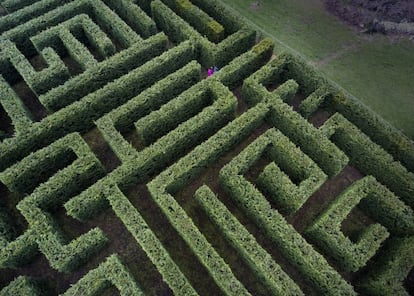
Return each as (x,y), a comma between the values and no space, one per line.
(109,70)
(26,173)
(313,101)
(82,22)
(21,34)
(80,174)
(288,159)
(189,167)
(13,5)
(38,81)
(386,208)
(115,122)
(312,266)
(110,272)
(134,16)
(209,53)
(280,70)
(139,229)
(233,74)
(380,131)
(77,50)
(22,286)
(261,262)
(79,116)
(219,12)
(326,231)
(14,107)
(370,158)
(312,141)
(201,21)
(18,14)
(180,109)
(19,251)
(110,22)
(93,200)
(387,276)
(159,154)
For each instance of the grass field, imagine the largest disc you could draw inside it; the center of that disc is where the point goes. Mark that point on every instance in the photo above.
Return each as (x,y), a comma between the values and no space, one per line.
(375,69)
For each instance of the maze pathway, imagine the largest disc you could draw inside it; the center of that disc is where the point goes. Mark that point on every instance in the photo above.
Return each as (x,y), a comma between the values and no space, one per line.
(127,168)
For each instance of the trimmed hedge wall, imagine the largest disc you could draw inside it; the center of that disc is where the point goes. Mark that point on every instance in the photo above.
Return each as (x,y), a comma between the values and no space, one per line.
(26,173)
(289,163)
(233,74)
(135,17)
(370,158)
(80,174)
(38,81)
(313,142)
(198,19)
(381,132)
(388,275)
(18,251)
(160,154)
(228,20)
(149,242)
(97,77)
(115,122)
(292,245)
(326,231)
(80,115)
(14,107)
(82,22)
(21,34)
(15,18)
(170,115)
(110,272)
(13,5)
(209,53)
(22,286)
(187,168)
(313,101)
(261,262)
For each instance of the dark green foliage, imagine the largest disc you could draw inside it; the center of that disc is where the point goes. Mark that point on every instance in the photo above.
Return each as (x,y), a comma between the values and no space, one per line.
(209,53)
(287,158)
(198,19)
(18,251)
(7,22)
(139,229)
(135,17)
(41,81)
(313,101)
(110,272)
(370,158)
(233,74)
(387,276)
(16,110)
(381,132)
(291,244)
(265,268)
(326,230)
(80,174)
(22,286)
(115,122)
(110,69)
(80,115)
(312,142)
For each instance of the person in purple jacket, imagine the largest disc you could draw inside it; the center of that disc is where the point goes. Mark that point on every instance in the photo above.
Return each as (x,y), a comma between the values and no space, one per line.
(210,71)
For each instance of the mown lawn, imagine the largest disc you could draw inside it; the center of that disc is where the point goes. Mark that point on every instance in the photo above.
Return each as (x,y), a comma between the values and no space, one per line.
(377,70)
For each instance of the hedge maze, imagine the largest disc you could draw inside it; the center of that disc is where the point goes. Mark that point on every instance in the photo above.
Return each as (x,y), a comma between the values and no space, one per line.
(125,169)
